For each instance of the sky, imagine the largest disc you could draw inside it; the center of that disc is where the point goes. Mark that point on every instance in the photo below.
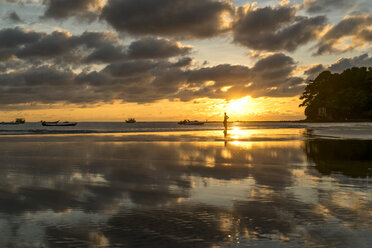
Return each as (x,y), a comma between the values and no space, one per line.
(169,60)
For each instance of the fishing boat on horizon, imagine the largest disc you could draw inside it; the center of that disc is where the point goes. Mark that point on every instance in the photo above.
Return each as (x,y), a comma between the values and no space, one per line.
(188,122)
(18,121)
(131,120)
(58,124)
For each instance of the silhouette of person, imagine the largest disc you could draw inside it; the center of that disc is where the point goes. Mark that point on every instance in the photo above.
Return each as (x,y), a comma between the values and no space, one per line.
(225,121)
(225,125)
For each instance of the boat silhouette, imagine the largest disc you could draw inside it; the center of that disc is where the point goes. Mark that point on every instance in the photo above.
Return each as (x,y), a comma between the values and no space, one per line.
(187,122)
(16,122)
(131,120)
(58,124)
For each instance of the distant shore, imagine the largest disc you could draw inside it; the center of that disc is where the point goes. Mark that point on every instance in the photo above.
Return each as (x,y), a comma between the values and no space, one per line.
(298,121)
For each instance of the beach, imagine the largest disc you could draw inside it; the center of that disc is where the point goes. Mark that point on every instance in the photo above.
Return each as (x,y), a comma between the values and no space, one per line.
(269,184)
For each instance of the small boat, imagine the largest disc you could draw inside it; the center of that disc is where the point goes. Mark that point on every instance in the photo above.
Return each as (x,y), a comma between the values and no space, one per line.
(58,124)
(16,122)
(187,122)
(131,120)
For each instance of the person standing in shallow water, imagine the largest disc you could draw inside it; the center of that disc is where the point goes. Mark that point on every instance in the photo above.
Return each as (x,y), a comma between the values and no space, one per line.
(225,121)
(225,125)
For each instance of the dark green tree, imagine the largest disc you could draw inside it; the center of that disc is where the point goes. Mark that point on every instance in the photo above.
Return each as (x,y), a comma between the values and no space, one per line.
(339,97)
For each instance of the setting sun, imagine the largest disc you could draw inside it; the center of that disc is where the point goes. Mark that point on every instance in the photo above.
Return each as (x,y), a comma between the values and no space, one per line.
(239,106)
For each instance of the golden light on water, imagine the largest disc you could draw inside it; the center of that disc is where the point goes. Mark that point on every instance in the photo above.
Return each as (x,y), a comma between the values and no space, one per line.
(236,133)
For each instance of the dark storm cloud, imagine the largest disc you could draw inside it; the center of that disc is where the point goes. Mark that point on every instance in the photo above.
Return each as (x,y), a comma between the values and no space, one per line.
(59,9)
(345,63)
(223,75)
(106,54)
(57,43)
(322,6)
(366,35)
(277,66)
(95,39)
(14,17)
(273,77)
(5,54)
(349,26)
(144,81)
(270,76)
(192,18)
(138,73)
(11,1)
(127,69)
(52,85)
(13,64)
(137,81)
(144,48)
(264,19)
(183,62)
(156,48)
(357,27)
(314,71)
(89,47)
(46,76)
(62,43)
(341,65)
(265,72)
(13,37)
(35,85)
(17,1)
(105,45)
(274,29)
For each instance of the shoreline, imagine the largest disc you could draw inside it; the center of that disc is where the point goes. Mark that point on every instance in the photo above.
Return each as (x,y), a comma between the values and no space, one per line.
(290,121)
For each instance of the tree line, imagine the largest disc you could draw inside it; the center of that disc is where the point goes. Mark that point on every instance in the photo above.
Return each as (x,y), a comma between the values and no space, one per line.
(339,97)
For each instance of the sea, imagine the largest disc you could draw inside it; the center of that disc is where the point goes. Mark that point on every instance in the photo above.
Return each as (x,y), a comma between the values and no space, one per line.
(160,184)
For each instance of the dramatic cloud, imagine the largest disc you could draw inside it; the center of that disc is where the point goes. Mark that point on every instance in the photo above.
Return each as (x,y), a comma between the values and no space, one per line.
(191,18)
(106,54)
(345,63)
(14,17)
(150,80)
(341,65)
(314,71)
(5,54)
(156,48)
(151,63)
(21,2)
(35,85)
(145,48)
(357,28)
(59,9)
(316,6)
(57,43)
(274,29)
(128,69)
(89,47)
(13,37)
(270,76)
(61,45)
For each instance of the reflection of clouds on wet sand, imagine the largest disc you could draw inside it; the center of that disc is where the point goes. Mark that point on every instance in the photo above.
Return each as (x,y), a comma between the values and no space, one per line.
(184,226)
(179,194)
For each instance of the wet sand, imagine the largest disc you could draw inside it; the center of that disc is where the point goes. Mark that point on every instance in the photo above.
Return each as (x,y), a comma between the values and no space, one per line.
(269,187)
